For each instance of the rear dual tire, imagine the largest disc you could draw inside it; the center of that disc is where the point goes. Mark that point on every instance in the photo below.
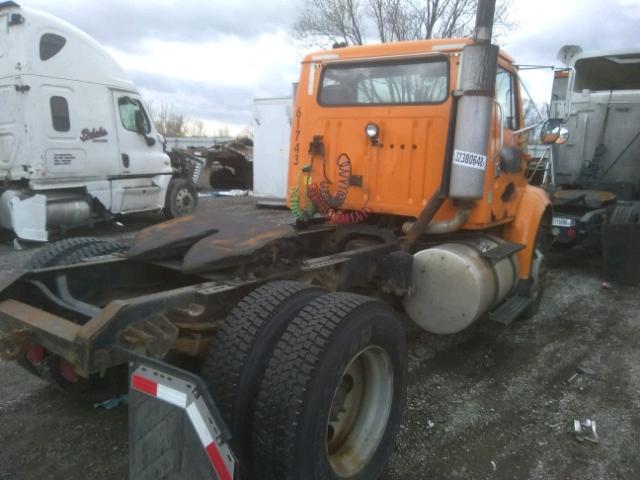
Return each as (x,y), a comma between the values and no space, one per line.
(303,378)
(239,352)
(332,397)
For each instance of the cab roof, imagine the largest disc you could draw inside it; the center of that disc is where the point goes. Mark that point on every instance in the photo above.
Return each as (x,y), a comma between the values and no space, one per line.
(440,45)
(79,57)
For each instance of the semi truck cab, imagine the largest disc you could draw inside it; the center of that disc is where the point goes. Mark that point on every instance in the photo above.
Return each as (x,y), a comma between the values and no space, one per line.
(77,142)
(597,172)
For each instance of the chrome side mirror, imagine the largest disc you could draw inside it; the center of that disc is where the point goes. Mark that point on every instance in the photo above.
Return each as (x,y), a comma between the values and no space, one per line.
(554,132)
(563,136)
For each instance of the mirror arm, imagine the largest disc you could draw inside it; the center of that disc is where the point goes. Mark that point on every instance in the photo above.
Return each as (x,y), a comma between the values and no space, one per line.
(526,129)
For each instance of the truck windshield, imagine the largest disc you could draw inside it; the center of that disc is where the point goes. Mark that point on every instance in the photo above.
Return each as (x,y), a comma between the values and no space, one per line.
(606,73)
(395,82)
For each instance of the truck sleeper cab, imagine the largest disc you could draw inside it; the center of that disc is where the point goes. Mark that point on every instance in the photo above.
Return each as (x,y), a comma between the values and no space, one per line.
(77,143)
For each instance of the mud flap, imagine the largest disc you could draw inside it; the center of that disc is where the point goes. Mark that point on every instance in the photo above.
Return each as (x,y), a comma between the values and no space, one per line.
(175,429)
(621,253)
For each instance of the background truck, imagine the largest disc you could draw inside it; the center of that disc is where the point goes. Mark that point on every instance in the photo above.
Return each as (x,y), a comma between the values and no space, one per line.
(77,144)
(596,180)
(406,179)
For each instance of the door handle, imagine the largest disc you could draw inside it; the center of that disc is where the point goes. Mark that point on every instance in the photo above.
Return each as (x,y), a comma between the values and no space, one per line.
(125,160)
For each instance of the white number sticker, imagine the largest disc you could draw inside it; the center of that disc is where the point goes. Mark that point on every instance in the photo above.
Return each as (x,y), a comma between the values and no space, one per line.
(468,159)
(562,222)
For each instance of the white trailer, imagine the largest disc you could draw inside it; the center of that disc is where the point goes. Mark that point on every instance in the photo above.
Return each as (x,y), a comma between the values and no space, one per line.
(271,138)
(77,144)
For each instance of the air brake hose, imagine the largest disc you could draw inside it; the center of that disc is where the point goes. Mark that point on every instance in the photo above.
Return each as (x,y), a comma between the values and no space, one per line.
(344,174)
(300,213)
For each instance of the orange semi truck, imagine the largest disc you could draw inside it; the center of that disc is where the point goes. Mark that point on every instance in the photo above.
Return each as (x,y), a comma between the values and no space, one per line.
(407,185)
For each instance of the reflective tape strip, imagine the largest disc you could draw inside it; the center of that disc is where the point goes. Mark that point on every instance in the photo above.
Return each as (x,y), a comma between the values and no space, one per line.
(198,423)
(144,385)
(312,78)
(218,463)
(208,442)
(172,396)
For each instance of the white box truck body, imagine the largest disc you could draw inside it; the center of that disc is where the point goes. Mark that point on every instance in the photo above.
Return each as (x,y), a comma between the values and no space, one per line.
(271,139)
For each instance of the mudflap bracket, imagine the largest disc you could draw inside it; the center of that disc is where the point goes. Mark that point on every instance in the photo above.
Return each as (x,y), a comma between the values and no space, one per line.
(175,428)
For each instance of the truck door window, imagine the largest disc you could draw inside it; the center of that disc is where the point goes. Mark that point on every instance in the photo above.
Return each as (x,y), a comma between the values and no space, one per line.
(397,82)
(506,96)
(128,108)
(50,45)
(60,114)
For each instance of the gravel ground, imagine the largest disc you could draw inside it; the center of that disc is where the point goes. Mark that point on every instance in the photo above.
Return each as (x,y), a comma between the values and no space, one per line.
(492,402)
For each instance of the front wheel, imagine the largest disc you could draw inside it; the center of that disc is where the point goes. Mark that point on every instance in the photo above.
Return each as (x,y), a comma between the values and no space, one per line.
(538,269)
(332,398)
(181,199)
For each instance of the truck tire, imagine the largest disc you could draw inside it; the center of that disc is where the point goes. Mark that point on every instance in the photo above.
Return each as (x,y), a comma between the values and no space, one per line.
(73,250)
(333,394)
(223,179)
(181,199)
(538,269)
(238,353)
(625,214)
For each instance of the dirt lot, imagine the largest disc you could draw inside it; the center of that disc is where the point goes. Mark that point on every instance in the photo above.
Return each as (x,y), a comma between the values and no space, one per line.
(490,403)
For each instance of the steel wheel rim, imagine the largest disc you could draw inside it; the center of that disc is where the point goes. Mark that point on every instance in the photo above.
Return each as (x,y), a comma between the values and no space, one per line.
(184,201)
(359,411)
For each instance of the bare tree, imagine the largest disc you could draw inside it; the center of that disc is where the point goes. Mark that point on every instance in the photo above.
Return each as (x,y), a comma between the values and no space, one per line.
(172,124)
(195,128)
(168,122)
(331,20)
(357,21)
(223,131)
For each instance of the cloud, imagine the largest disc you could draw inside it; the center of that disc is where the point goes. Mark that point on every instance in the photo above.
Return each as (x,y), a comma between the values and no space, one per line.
(127,23)
(209,59)
(227,60)
(592,24)
(218,106)
(215,81)
(547,25)
(206,60)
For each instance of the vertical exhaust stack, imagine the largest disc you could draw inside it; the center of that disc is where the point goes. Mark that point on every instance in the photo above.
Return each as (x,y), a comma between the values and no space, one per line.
(477,82)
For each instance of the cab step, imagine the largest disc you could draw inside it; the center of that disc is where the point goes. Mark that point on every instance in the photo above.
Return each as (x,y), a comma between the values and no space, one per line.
(508,311)
(502,251)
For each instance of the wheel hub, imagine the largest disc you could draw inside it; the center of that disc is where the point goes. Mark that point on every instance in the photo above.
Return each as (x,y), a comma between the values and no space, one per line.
(359,411)
(184,201)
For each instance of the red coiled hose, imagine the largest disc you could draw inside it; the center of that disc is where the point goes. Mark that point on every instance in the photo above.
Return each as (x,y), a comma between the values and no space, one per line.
(344,179)
(334,215)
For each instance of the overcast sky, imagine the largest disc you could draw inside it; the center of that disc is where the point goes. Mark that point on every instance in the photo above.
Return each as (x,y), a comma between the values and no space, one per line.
(210,59)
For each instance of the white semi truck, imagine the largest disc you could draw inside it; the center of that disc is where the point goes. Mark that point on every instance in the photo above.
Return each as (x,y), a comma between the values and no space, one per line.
(77,144)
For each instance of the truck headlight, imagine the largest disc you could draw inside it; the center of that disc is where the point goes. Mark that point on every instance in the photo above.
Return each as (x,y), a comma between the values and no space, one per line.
(373,132)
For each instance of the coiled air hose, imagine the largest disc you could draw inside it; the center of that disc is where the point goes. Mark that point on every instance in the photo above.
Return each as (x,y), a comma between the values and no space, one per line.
(300,213)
